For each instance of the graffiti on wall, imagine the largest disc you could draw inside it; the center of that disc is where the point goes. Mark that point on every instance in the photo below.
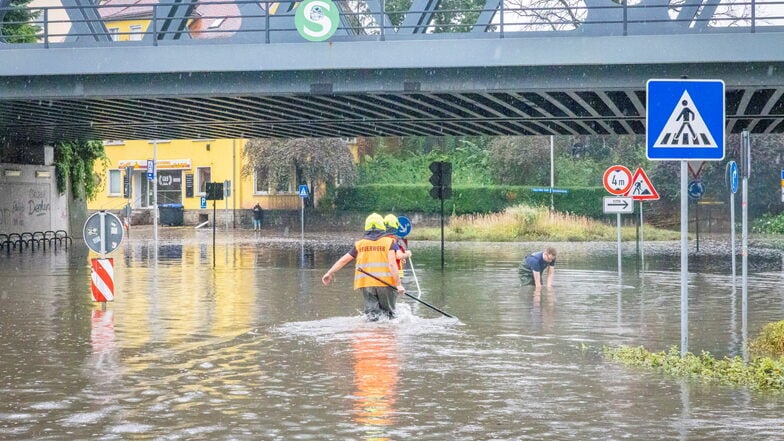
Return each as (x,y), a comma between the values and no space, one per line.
(25,207)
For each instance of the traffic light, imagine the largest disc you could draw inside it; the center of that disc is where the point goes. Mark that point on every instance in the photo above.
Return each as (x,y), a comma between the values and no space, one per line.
(441,180)
(214,191)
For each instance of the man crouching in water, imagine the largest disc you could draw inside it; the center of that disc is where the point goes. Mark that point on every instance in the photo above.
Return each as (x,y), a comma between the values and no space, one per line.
(533,265)
(375,254)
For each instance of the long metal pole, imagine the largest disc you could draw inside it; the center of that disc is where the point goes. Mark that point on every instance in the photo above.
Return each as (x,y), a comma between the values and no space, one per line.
(732,234)
(442,231)
(684,259)
(413,272)
(552,173)
(746,153)
(618,220)
(642,240)
(234,181)
(155,191)
(407,294)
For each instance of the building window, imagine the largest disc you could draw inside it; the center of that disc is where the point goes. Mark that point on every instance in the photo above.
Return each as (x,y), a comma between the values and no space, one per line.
(115,33)
(115,182)
(263,185)
(203,176)
(169,186)
(136,33)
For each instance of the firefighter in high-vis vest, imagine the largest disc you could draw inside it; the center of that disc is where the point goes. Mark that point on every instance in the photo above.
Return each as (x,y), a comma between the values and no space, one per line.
(375,255)
(392,225)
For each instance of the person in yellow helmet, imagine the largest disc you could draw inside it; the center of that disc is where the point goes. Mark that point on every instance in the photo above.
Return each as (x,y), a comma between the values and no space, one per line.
(392,224)
(375,254)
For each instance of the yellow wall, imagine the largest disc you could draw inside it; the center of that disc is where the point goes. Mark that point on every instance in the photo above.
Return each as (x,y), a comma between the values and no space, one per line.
(223,156)
(124,27)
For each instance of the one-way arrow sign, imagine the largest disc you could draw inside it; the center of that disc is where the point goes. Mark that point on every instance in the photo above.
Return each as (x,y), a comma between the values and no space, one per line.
(618,205)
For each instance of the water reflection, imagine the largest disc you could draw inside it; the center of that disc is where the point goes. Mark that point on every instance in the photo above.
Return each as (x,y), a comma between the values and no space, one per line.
(376,367)
(543,313)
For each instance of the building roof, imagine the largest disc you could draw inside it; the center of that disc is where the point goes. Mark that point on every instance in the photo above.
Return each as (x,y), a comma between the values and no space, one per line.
(126,9)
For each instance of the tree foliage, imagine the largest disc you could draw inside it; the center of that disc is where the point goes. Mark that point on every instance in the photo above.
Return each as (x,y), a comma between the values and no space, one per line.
(74,161)
(314,160)
(17,26)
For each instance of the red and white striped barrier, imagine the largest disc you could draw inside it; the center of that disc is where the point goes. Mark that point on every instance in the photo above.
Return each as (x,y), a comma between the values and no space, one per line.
(102,276)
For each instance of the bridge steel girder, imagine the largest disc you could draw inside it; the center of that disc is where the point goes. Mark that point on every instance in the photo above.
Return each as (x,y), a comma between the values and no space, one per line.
(174,26)
(86,23)
(575,85)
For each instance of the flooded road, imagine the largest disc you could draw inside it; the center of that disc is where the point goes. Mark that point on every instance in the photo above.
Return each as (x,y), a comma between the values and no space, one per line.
(247,344)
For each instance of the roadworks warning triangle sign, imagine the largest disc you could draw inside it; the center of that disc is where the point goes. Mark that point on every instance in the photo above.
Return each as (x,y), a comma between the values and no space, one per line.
(642,189)
(685,127)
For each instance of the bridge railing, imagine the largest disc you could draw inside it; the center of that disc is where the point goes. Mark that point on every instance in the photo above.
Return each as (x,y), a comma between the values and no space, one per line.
(274,21)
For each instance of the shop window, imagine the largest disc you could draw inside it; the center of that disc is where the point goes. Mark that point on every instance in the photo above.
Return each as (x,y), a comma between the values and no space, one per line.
(169,186)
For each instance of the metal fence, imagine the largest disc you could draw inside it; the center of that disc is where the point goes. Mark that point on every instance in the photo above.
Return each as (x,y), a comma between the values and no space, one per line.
(274,22)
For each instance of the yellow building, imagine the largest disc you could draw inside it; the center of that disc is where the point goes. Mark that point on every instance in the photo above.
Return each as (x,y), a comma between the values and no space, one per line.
(182,170)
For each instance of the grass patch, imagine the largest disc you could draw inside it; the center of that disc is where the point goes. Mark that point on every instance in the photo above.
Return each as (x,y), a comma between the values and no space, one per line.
(525,223)
(770,342)
(765,371)
(762,373)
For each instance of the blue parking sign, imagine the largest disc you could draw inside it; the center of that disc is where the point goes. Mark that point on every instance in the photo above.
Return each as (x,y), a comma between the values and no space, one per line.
(685,120)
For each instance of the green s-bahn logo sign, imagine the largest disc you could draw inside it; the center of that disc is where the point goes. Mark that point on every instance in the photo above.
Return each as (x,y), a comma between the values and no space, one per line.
(316,20)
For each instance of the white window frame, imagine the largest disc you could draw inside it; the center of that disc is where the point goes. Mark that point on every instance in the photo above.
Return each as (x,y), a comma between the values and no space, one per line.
(109,174)
(136,33)
(198,180)
(115,33)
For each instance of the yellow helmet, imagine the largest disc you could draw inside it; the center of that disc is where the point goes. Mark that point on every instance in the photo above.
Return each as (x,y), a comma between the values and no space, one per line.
(391,223)
(374,222)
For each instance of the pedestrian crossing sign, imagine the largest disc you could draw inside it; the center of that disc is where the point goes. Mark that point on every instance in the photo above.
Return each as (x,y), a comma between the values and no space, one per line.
(685,120)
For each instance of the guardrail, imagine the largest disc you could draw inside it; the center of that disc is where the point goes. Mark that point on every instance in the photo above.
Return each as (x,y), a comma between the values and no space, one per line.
(248,21)
(31,241)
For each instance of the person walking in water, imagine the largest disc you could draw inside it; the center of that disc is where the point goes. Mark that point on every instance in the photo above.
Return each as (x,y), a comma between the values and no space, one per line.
(376,270)
(533,265)
(392,224)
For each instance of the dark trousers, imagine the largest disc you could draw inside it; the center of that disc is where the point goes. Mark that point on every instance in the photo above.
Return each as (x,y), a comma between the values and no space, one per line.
(526,274)
(379,301)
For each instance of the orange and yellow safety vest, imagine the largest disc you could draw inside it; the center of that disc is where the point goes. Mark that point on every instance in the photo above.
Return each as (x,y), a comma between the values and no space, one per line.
(373,257)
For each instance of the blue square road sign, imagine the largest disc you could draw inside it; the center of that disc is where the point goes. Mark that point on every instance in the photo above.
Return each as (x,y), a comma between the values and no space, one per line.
(685,120)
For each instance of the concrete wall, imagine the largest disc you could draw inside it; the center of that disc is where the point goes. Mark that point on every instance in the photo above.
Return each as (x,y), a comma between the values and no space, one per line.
(29,200)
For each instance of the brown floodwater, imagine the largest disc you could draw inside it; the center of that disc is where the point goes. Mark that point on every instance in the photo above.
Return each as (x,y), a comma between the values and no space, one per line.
(245,343)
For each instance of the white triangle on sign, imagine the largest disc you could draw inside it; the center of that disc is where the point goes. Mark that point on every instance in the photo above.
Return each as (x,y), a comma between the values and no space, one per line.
(642,189)
(685,127)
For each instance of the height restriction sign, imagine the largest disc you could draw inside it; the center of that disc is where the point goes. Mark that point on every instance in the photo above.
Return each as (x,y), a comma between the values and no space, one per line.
(617,180)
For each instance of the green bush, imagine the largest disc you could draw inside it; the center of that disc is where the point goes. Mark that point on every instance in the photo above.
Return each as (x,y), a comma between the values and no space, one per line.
(769,224)
(465,199)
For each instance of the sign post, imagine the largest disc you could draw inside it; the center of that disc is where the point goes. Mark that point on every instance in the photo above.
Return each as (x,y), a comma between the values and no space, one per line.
(642,190)
(617,181)
(303,194)
(745,149)
(685,121)
(732,184)
(103,232)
